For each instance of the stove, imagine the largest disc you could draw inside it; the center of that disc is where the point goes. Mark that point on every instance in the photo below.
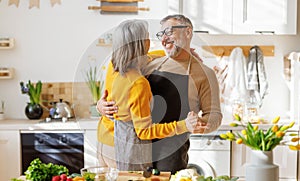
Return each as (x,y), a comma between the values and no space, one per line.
(57,120)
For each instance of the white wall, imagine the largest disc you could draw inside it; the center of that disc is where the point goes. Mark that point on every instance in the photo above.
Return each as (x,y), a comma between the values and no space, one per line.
(51,40)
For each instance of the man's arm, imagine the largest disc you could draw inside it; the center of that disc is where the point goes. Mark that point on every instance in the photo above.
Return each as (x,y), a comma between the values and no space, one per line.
(106,108)
(210,103)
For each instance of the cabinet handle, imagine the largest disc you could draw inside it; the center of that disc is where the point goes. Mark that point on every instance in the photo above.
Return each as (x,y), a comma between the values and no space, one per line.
(198,31)
(265,32)
(2,142)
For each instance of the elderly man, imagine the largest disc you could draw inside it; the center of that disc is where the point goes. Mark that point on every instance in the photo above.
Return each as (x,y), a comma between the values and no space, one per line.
(179,83)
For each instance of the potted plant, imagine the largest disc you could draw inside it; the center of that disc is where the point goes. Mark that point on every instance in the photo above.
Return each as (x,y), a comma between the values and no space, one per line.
(33,109)
(95,84)
(262,142)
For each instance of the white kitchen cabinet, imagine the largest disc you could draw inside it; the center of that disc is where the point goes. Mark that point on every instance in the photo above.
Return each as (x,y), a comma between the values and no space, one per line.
(282,155)
(10,154)
(90,148)
(268,16)
(239,16)
(209,16)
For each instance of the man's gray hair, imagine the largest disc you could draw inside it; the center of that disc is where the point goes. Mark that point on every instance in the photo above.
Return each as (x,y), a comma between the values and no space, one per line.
(179,17)
(129,45)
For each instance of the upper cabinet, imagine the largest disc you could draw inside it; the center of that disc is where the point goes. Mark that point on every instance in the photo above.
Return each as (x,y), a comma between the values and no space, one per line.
(239,16)
(209,16)
(268,16)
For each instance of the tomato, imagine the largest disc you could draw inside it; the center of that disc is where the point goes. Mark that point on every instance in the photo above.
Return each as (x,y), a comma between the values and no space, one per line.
(63,177)
(56,178)
(69,179)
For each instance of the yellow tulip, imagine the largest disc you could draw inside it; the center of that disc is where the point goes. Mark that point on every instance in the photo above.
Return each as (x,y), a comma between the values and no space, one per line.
(244,132)
(230,135)
(233,124)
(237,117)
(295,148)
(224,136)
(295,139)
(283,128)
(279,134)
(275,128)
(239,141)
(291,124)
(255,128)
(275,120)
(293,134)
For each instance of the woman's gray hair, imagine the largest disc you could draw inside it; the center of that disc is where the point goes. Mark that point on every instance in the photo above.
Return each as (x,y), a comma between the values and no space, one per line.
(129,49)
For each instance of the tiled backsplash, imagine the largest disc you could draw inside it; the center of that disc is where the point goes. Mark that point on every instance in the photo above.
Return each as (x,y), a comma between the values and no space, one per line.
(75,93)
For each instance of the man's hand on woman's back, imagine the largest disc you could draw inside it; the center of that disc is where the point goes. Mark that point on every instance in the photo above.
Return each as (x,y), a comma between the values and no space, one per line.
(106,108)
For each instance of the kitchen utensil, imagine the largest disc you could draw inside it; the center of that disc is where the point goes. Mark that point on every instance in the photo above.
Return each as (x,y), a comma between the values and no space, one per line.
(61,109)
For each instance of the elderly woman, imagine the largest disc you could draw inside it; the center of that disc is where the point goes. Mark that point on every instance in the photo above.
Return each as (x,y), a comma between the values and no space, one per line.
(133,128)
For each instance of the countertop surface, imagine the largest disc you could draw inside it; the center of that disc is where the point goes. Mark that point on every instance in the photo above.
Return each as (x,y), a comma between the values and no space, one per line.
(26,124)
(90,123)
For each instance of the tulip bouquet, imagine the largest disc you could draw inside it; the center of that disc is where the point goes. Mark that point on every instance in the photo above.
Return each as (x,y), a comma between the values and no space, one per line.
(259,139)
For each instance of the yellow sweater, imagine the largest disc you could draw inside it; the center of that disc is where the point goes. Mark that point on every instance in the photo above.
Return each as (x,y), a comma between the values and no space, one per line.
(132,94)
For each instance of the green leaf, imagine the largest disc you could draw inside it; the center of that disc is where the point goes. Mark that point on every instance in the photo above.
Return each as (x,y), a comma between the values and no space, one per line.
(94,82)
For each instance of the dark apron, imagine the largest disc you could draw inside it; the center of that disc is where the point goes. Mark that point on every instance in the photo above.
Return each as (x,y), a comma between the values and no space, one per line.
(170,102)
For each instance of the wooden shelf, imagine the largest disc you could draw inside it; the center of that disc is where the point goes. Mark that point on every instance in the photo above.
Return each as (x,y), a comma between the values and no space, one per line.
(226,50)
(6,43)
(6,73)
(104,44)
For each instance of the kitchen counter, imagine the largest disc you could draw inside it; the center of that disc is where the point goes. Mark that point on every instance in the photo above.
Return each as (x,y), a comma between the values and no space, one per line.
(91,123)
(25,124)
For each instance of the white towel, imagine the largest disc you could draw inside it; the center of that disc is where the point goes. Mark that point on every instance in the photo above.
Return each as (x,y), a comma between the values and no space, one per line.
(235,83)
(294,56)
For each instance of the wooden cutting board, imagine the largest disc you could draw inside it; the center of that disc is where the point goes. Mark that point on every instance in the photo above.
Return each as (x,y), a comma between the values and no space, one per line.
(138,176)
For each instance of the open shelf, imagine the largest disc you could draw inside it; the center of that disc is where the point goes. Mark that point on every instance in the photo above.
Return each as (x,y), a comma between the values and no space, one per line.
(6,43)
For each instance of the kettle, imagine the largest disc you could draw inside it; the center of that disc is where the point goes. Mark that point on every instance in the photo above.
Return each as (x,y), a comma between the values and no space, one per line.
(61,109)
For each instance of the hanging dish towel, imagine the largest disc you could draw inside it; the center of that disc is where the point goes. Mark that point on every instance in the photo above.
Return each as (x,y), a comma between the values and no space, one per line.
(257,77)
(235,83)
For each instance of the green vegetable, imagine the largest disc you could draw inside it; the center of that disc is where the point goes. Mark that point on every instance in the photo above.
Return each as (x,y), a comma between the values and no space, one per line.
(88,176)
(38,171)
(15,179)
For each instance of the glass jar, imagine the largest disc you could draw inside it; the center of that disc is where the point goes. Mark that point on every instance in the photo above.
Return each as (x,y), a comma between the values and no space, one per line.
(237,108)
(251,112)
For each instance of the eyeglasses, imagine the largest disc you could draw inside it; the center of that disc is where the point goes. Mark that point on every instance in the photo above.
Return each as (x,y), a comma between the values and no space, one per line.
(168,31)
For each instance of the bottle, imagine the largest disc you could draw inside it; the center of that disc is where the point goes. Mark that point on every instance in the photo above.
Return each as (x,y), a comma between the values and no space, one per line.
(252,107)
